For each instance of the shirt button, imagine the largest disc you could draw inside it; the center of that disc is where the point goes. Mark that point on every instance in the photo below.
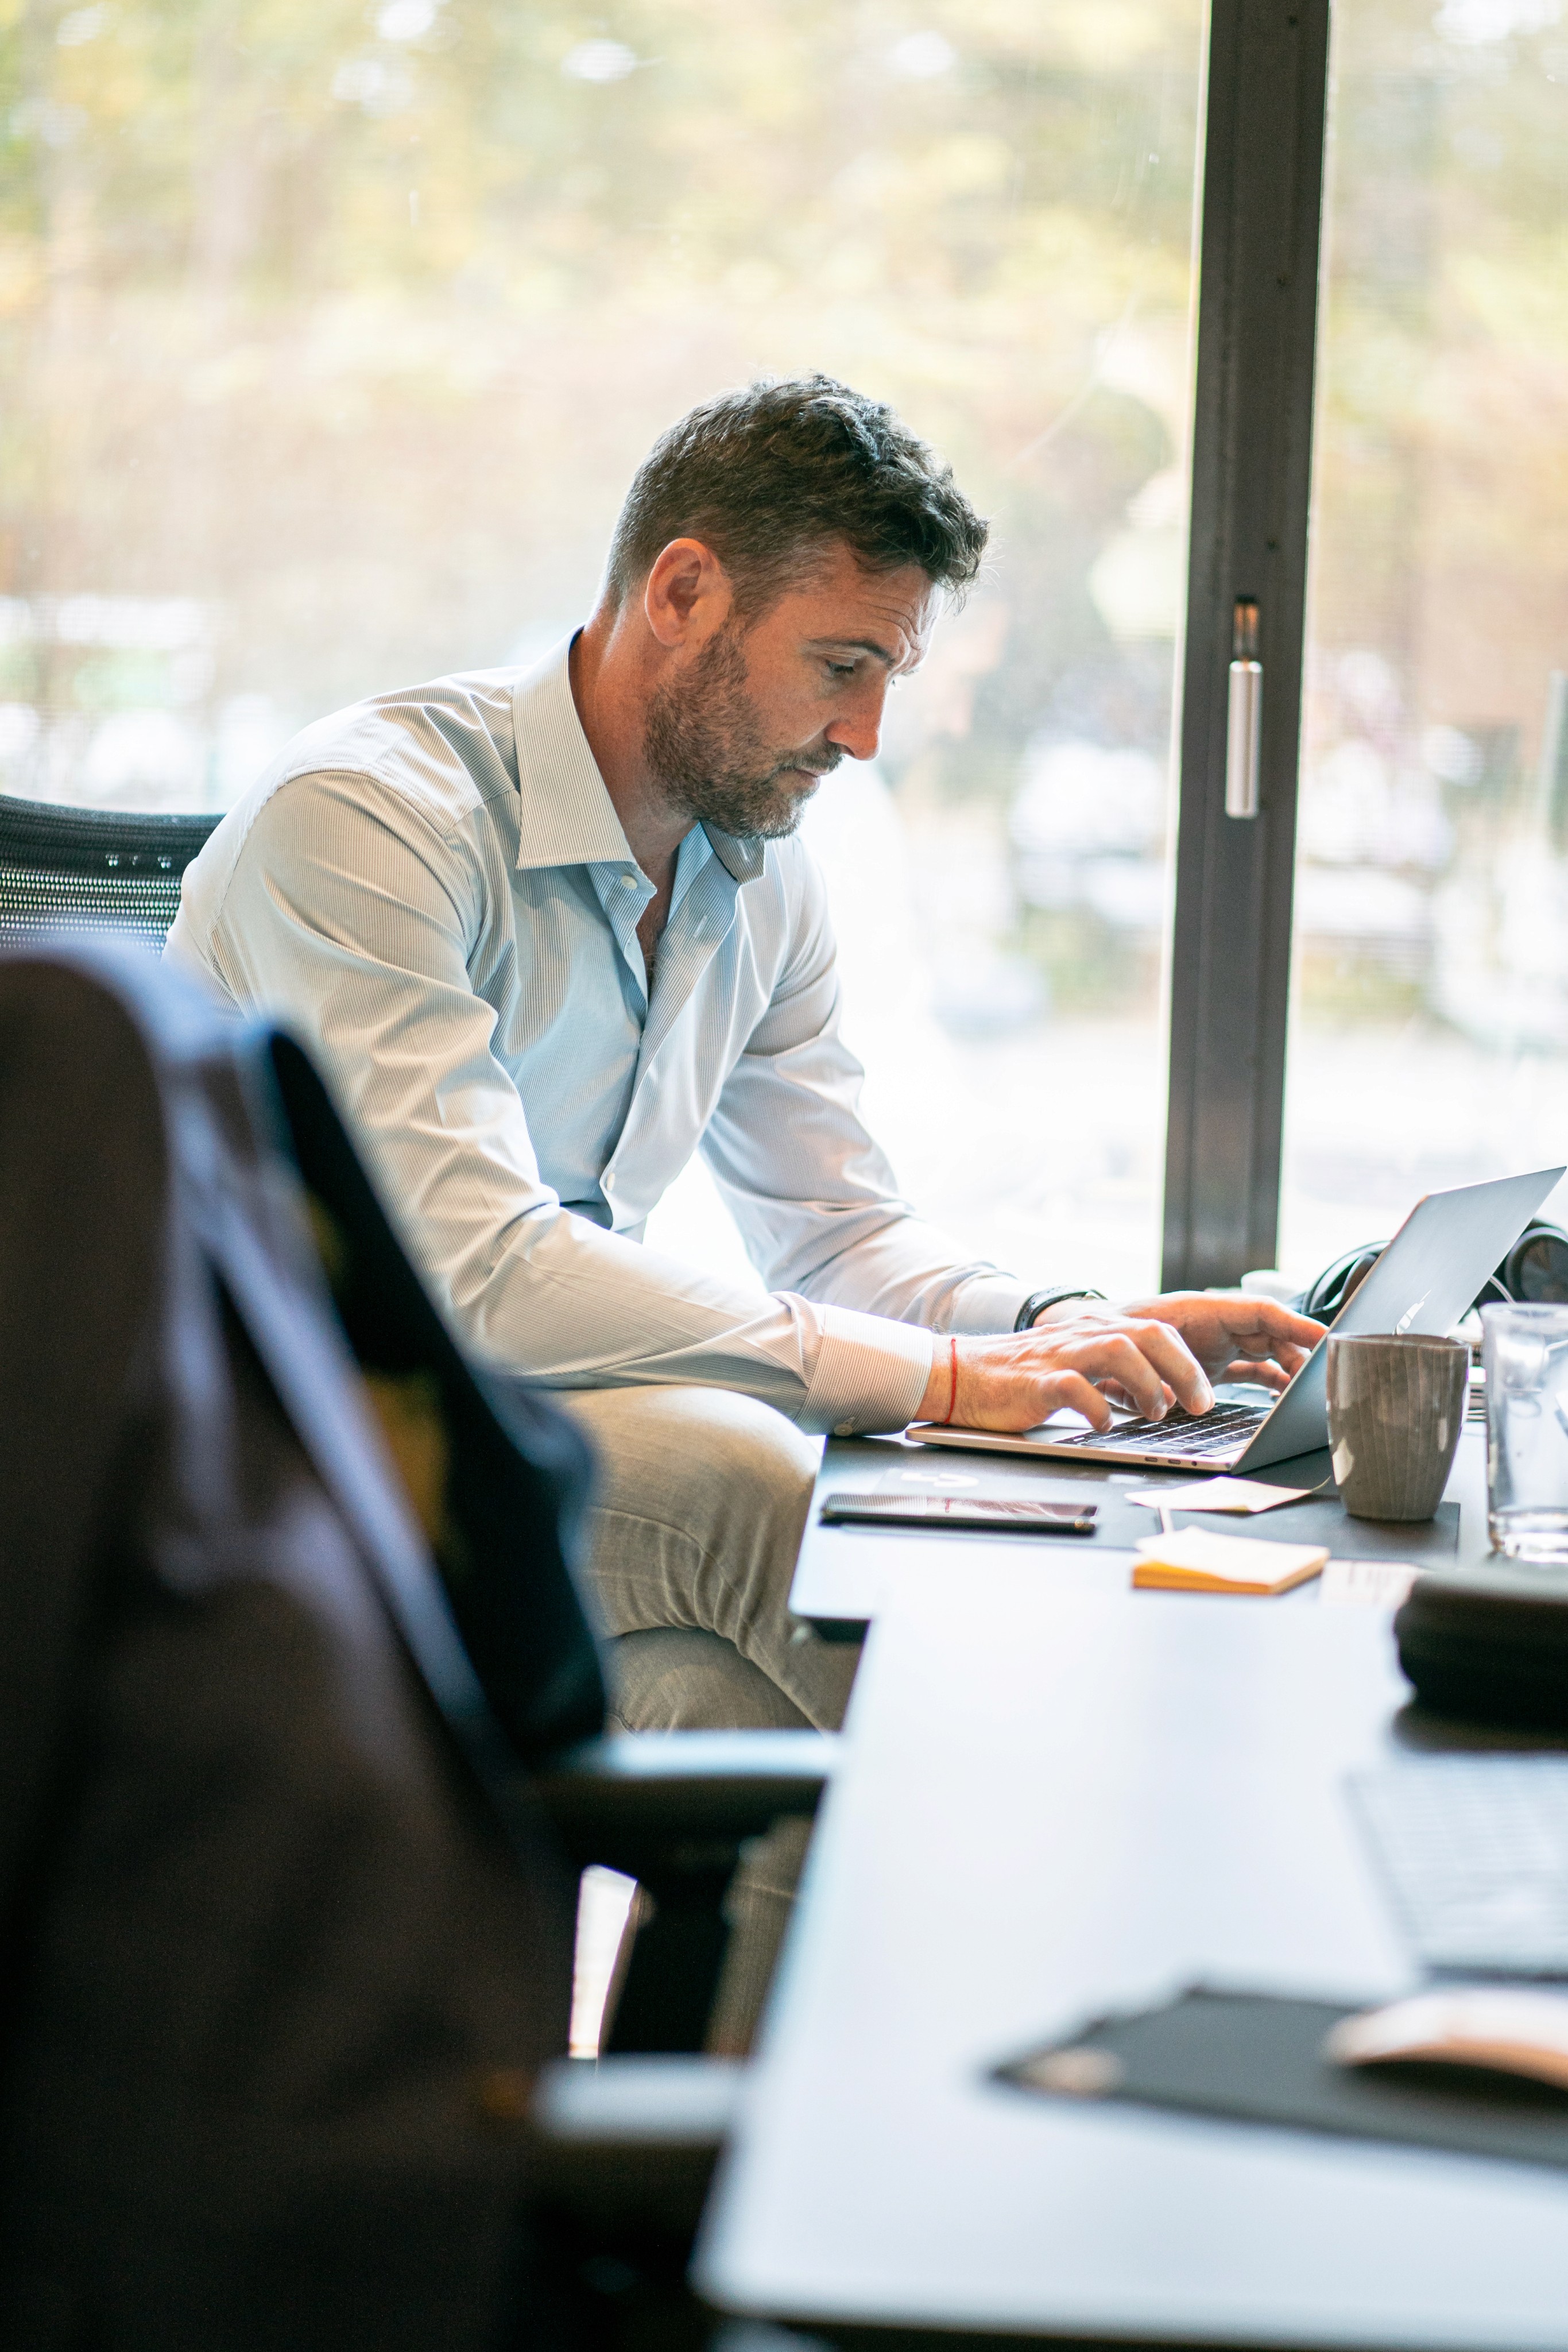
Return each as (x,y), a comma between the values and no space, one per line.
(609,1181)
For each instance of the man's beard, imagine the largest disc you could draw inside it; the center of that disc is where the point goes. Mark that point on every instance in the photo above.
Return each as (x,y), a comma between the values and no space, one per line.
(702,740)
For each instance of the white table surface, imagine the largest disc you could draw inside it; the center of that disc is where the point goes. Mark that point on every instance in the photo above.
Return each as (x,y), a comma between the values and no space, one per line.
(1064,1804)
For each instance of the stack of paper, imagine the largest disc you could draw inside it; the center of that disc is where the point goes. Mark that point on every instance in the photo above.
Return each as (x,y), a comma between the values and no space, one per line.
(1367,1583)
(1197,1561)
(1222,1495)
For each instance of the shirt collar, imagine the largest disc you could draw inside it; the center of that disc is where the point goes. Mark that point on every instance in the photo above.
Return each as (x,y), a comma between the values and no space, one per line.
(567,817)
(742,856)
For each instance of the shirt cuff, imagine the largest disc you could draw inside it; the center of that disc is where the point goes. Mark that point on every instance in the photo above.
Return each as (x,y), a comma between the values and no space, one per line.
(870,1376)
(987,1303)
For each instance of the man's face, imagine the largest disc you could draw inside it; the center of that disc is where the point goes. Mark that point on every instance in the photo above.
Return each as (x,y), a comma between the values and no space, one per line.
(743,733)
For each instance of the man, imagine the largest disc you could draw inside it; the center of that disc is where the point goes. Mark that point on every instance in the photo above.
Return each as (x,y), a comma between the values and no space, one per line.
(549,933)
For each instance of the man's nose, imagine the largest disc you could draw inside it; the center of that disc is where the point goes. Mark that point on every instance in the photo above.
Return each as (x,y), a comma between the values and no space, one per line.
(858,728)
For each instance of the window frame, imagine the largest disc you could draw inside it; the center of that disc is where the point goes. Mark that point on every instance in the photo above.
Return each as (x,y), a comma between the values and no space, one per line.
(1261,236)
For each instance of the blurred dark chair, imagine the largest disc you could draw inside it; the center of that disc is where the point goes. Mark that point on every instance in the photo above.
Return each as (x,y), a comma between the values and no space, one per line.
(299,1723)
(76,869)
(68,871)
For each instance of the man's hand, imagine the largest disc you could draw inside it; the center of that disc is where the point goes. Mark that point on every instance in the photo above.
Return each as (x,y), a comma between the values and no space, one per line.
(1237,1337)
(1148,1356)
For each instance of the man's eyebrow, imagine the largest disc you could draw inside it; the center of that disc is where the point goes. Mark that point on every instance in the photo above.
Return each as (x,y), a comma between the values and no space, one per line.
(856,646)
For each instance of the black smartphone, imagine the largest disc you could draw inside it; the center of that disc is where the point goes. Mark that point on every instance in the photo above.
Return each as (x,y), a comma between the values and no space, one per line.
(999,1514)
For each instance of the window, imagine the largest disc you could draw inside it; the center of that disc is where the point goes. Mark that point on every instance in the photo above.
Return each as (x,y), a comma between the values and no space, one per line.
(1430,1017)
(335,334)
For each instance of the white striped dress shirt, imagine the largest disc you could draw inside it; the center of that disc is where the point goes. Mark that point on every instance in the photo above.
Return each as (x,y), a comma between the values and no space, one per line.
(433,890)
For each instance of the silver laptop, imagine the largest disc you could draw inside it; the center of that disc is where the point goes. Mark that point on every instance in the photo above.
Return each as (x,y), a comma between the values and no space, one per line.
(1423,1281)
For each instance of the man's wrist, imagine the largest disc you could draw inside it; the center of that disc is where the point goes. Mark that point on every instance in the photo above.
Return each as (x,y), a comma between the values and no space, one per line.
(943,1364)
(1040,1302)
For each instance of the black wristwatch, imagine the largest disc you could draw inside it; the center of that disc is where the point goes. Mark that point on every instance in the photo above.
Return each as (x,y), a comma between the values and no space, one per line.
(1037,1302)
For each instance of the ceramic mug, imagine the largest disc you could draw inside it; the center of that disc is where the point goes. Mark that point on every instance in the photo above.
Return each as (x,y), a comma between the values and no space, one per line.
(1395,1406)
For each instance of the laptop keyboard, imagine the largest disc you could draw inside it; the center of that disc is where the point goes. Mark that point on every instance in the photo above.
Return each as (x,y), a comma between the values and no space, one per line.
(1474,1851)
(1184,1436)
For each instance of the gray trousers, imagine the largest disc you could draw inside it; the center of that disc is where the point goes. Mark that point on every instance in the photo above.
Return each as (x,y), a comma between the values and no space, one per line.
(702,1501)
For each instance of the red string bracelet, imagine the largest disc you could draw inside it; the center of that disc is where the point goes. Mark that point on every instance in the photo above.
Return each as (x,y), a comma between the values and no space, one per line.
(952,1382)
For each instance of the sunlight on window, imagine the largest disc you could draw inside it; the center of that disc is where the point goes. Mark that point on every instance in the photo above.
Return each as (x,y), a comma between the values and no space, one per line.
(1431,1002)
(332,343)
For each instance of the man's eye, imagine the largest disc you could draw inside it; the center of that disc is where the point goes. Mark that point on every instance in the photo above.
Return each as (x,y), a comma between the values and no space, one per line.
(841,669)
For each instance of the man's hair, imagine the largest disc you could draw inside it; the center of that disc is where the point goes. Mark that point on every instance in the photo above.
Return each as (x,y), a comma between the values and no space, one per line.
(771,476)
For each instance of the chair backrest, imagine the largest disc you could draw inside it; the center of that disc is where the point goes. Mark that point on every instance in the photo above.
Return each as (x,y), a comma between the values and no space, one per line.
(79,870)
(284,1932)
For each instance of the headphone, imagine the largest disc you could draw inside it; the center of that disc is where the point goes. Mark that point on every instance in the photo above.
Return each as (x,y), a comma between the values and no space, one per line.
(1534,1272)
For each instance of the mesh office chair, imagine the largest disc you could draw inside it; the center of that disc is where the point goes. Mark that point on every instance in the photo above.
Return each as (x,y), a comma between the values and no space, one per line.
(79,870)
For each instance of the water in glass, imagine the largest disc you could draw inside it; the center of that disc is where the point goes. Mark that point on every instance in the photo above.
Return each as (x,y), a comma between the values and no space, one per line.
(1525,1351)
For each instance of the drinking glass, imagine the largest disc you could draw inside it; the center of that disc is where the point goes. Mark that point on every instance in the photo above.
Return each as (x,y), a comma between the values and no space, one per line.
(1525,1351)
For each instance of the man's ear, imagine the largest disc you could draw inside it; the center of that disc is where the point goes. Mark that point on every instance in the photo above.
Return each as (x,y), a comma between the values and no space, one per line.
(686,597)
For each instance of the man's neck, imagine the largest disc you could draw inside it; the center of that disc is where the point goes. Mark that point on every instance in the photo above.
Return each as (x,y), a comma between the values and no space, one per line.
(610,695)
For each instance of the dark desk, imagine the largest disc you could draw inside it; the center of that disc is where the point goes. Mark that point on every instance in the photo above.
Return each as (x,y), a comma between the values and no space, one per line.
(1124,1795)
(844,1574)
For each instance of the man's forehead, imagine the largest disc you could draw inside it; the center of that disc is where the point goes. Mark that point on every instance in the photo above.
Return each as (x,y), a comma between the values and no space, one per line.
(886,614)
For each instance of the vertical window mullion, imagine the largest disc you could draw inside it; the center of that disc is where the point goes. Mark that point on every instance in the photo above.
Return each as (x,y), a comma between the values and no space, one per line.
(1258,300)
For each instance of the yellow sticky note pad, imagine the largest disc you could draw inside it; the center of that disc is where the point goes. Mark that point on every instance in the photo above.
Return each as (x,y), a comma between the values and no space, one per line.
(1195,1561)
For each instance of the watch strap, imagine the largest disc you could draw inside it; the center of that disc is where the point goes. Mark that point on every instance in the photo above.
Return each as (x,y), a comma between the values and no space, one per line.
(1037,1302)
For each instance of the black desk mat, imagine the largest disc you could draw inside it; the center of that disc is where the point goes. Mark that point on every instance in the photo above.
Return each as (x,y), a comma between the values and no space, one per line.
(1324,1519)
(877,1465)
(1256,2059)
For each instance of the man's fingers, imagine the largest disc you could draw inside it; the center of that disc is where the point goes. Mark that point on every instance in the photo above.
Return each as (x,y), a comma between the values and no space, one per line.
(1234,1324)
(1163,1348)
(1118,1395)
(1278,1327)
(1014,1383)
(1116,1355)
(1263,1375)
(1275,1368)
(1257,1348)
(1147,1362)
(1072,1389)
